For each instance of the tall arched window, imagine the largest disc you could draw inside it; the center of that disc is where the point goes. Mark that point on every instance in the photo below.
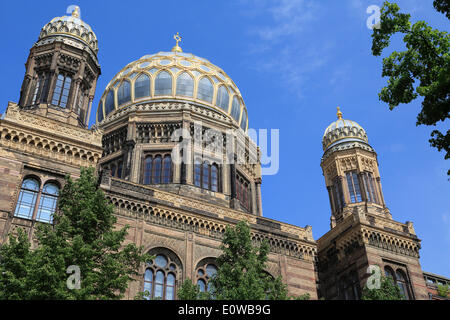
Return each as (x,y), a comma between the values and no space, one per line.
(47,203)
(214,178)
(243,191)
(27,198)
(353,186)
(163,84)
(40,91)
(402,284)
(205,90)
(205,271)
(160,277)
(100,113)
(223,100)
(400,279)
(109,102)
(369,185)
(205,175)
(157,169)
(62,90)
(185,85)
(244,120)
(338,195)
(197,173)
(148,170)
(167,169)
(235,109)
(142,86)
(124,93)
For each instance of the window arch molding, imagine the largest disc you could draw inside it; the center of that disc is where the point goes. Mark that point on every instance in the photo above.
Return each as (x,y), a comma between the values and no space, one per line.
(201,88)
(162,275)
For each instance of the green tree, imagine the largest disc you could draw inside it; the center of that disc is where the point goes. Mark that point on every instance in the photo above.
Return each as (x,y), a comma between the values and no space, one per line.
(426,60)
(190,291)
(443,290)
(83,235)
(240,274)
(387,291)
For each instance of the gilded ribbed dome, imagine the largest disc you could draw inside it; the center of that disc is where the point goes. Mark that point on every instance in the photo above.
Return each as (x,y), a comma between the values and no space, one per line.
(342,131)
(174,76)
(71,26)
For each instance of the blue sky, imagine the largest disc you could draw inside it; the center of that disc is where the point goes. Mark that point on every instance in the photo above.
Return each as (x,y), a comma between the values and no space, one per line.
(294,62)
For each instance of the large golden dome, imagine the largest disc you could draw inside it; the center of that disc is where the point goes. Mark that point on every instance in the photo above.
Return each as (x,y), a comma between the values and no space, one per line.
(175,75)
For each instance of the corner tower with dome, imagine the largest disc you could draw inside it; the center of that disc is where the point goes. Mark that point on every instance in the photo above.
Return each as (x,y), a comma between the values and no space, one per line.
(363,233)
(173,155)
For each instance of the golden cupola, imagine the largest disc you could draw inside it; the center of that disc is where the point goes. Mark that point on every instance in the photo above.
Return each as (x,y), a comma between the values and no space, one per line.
(73,27)
(344,134)
(173,76)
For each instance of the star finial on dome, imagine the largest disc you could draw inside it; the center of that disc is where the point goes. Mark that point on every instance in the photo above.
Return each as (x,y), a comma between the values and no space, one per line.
(339,113)
(177,38)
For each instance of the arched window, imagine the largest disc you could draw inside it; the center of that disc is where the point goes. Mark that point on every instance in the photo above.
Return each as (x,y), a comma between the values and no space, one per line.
(369,185)
(243,191)
(124,93)
(185,85)
(350,287)
(41,88)
(399,278)
(160,276)
(205,90)
(163,84)
(353,186)
(205,175)
(62,90)
(244,120)
(235,109)
(119,169)
(27,198)
(157,169)
(142,86)
(214,178)
(47,203)
(167,169)
(197,173)
(109,102)
(100,113)
(113,170)
(205,271)
(223,100)
(338,195)
(148,170)
(402,284)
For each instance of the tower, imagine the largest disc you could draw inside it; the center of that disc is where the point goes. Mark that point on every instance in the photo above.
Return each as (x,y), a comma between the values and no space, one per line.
(363,232)
(62,71)
(350,168)
(45,136)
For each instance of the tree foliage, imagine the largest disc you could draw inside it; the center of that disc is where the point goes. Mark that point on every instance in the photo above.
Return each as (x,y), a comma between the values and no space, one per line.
(423,69)
(443,290)
(83,235)
(240,274)
(387,291)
